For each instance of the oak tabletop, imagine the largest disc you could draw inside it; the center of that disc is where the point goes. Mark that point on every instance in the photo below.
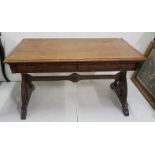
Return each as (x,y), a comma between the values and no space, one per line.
(73,50)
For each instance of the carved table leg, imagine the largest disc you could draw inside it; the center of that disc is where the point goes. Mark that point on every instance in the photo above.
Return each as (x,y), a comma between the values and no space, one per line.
(120,87)
(26,90)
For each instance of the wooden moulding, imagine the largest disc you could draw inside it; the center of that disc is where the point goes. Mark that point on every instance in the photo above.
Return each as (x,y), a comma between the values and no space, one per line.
(144,91)
(138,84)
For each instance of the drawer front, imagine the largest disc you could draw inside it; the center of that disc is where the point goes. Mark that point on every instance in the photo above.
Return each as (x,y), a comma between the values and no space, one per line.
(42,68)
(106,67)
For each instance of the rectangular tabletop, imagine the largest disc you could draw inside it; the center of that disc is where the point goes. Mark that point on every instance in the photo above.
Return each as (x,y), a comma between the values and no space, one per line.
(73,50)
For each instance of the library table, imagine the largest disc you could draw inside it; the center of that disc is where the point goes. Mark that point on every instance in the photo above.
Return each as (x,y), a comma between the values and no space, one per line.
(73,55)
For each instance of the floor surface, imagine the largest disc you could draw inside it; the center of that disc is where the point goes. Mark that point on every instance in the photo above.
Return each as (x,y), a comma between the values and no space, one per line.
(85,101)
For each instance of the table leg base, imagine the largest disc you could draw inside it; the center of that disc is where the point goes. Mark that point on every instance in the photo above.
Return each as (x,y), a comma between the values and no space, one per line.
(26,90)
(119,85)
(23,114)
(125,111)
(120,88)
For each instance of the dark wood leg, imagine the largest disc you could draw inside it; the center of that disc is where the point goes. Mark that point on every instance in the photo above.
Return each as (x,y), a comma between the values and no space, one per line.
(120,87)
(26,90)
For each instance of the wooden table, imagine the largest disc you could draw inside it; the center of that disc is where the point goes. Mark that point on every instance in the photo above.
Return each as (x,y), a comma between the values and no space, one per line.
(73,55)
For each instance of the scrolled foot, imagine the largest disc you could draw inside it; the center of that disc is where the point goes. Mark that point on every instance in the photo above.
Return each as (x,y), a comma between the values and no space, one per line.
(23,114)
(125,111)
(112,85)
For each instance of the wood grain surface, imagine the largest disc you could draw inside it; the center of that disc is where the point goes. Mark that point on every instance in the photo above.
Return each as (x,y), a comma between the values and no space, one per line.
(73,50)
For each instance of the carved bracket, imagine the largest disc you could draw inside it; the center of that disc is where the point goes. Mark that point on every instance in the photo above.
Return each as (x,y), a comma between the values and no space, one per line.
(120,87)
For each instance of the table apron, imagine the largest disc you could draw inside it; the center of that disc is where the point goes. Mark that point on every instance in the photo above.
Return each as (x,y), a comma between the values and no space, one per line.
(71,67)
